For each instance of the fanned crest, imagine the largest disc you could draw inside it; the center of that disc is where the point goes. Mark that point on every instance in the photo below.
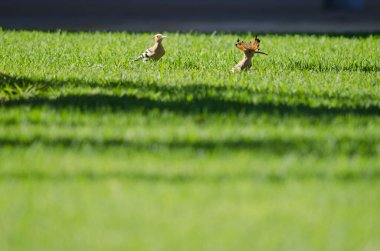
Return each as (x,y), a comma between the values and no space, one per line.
(252,46)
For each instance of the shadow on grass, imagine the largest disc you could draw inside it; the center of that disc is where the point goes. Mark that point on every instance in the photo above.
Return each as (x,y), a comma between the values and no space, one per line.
(321,67)
(188,99)
(366,146)
(178,178)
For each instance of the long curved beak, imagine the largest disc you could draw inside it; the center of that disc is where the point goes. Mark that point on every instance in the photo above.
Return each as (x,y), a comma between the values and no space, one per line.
(164,36)
(260,52)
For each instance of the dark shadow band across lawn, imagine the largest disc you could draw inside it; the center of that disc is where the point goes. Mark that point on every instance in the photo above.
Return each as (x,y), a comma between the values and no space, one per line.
(185,178)
(189,99)
(365,146)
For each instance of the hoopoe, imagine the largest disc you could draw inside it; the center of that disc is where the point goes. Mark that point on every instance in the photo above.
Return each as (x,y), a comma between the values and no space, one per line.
(249,50)
(155,52)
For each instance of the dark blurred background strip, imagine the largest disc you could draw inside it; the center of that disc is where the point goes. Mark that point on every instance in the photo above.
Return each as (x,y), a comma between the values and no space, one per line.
(319,16)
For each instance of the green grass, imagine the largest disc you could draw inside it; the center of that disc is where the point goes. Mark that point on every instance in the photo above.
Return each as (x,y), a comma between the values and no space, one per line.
(100,153)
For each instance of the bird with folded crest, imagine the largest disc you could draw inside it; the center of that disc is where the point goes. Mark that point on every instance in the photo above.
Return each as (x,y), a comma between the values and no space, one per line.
(249,50)
(155,52)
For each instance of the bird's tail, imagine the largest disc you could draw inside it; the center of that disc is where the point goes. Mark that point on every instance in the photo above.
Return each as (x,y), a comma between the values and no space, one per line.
(136,59)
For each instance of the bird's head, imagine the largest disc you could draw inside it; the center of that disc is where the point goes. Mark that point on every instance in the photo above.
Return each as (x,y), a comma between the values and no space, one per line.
(159,37)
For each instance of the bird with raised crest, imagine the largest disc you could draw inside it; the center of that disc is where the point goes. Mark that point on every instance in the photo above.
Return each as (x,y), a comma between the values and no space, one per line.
(248,49)
(155,52)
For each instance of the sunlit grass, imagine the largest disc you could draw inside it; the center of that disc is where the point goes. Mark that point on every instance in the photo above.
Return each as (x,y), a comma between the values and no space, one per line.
(101,153)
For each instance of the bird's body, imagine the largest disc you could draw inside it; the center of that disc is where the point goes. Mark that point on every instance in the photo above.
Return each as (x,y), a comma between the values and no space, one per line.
(155,52)
(244,64)
(249,51)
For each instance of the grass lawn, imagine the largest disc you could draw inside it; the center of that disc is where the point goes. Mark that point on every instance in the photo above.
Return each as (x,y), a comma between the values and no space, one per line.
(100,153)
